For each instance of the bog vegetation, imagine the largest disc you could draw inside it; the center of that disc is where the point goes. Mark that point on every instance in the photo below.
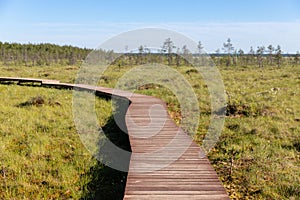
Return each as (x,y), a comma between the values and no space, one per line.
(257,157)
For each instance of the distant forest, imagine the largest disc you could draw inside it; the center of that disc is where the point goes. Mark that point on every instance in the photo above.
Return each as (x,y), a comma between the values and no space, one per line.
(51,54)
(40,54)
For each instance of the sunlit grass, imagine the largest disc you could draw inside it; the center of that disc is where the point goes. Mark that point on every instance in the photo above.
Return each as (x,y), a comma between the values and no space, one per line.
(257,157)
(41,155)
(57,72)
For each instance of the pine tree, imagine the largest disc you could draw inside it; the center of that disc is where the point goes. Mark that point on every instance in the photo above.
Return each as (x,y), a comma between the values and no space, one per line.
(228,48)
(259,55)
(168,47)
(278,56)
(241,56)
(270,51)
(296,58)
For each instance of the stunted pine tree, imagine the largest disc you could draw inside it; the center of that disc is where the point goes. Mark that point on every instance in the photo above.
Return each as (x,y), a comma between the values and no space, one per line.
(251,56)
(270,51)
(200,48)
(259,55)
(141,49)
(241,56)
(228,48)
(178,57)
(296,58)
(186,54)
(201,53)
(217,57)
(278,56)
(140,58)
(168,47)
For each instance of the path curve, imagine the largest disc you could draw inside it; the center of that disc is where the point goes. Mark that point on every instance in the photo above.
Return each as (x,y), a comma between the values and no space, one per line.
(156,170)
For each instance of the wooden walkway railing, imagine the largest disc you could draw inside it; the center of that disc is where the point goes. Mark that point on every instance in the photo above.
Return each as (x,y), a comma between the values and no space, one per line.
(165,162)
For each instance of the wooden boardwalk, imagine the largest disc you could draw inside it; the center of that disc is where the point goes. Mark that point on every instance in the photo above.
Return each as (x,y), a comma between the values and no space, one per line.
(165,162)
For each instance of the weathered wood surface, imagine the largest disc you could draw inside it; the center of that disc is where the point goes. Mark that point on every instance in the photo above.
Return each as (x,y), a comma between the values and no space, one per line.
(165,162)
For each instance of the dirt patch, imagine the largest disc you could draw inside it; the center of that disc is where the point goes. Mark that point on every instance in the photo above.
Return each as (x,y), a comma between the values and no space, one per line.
(39,101)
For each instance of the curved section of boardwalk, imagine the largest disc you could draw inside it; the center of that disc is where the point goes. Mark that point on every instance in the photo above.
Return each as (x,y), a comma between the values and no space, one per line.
(165,162)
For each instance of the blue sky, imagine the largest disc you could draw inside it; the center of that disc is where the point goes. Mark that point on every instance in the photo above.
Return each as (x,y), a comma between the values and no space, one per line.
(89,23)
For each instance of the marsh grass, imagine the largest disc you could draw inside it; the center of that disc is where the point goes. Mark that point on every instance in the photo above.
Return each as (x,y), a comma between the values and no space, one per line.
(257,156)
(41,155)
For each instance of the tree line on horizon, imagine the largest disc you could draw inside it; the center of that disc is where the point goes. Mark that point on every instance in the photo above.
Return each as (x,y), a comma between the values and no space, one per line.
(40,54)
(49,54)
